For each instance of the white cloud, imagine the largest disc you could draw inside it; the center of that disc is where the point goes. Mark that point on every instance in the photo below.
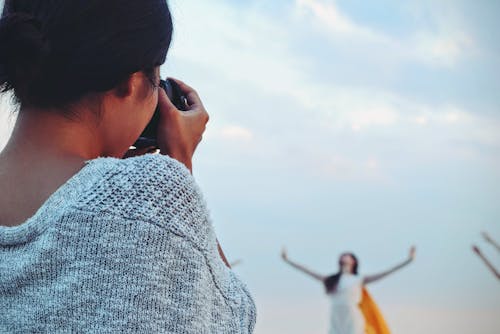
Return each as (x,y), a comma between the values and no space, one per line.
(246,47)
(444,45)
(443,49)
(234,132)
(329,15)
(251,51)
(344,167)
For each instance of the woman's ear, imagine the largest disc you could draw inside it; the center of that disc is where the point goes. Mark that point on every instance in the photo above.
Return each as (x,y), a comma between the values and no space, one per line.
(133,86)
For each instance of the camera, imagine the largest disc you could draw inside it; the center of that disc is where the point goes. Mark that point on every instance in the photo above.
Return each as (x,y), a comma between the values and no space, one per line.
(176,96)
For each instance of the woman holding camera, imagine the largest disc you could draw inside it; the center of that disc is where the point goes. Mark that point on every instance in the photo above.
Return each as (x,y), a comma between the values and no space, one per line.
(90,241)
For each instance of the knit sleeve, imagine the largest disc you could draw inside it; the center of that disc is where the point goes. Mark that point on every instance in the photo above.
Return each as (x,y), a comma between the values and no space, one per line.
(203,284)
(197,294)
(192,288)
(151,188)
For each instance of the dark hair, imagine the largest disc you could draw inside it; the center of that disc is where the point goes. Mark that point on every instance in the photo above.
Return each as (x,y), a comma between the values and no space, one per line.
(331,282)
(54,52)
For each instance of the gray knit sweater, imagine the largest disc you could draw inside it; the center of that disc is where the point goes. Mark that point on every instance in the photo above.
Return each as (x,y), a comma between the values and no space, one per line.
(123,246)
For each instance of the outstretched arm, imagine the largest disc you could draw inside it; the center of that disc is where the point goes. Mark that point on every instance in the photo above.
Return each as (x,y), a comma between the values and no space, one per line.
(222,255)
(376,277)
(317,276)
(485,260)
(489,239)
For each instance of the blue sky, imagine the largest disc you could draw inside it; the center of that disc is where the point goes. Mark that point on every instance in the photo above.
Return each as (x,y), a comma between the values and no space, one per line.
(350,125)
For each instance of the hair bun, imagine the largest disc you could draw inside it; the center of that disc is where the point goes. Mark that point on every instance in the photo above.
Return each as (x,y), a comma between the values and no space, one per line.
(23,47)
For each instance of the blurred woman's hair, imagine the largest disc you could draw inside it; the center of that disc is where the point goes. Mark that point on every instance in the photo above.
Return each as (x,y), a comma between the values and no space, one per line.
(331,282)
(55,52)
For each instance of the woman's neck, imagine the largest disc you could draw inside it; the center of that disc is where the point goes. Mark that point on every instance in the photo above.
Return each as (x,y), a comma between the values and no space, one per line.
(45,134)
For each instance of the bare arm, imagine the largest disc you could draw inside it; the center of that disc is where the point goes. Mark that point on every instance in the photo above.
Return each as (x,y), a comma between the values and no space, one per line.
(376,277)
(222,255)
(489,239)
(311,273)
(485,260)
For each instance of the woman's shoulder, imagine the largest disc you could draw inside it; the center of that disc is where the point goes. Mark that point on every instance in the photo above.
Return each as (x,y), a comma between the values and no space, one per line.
(138,174)
(152,188)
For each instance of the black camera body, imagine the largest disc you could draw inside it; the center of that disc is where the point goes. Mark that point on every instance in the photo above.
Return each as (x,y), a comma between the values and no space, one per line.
(176,96)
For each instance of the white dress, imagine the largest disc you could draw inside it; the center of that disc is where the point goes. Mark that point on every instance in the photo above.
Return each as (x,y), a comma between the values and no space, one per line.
(345,314)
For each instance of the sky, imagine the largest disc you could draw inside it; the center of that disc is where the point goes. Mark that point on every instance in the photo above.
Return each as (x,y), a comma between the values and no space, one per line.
(349,125)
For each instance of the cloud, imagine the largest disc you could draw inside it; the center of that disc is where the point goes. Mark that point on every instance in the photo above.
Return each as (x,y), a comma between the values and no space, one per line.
(442,49)
(245,47)
(443,46)
(254,50)
(233,133)
(337,23)
(266,95)
(342,167)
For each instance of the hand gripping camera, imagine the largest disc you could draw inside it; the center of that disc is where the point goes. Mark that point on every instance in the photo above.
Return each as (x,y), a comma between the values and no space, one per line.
(176,96)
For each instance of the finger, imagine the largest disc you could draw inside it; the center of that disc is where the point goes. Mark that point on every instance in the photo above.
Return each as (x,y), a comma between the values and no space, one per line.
(486,236)
(164,102)
(192,96)
(198,113)
(193,99)
(166,106)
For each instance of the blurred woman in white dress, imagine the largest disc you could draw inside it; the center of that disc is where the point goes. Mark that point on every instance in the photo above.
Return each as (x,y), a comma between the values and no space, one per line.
(352,309)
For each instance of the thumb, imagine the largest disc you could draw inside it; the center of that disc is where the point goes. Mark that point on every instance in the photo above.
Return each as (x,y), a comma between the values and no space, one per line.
(166,106)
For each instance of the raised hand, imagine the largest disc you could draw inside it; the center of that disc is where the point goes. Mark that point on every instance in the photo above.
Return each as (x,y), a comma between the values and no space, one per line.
(180,132)
(284,254)
(486,236)
(490,240)
(413,251)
